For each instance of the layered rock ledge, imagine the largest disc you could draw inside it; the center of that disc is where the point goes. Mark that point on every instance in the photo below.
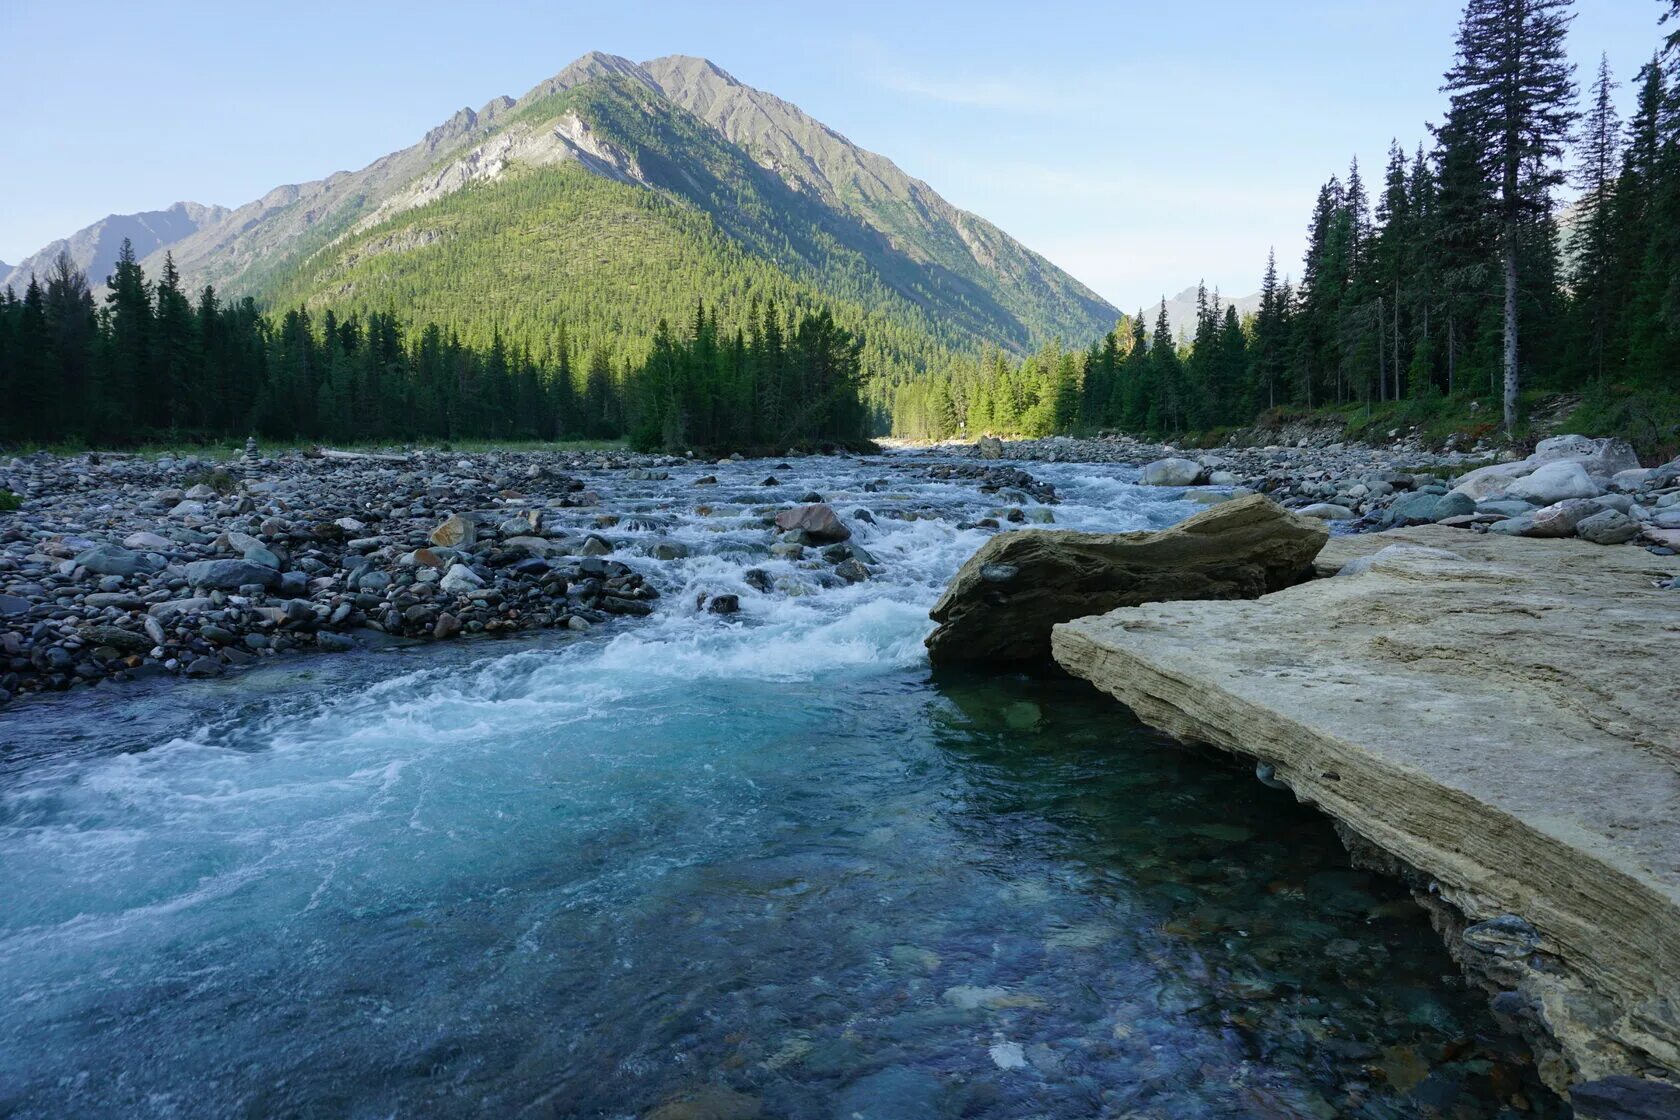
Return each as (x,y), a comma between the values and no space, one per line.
(1495,714)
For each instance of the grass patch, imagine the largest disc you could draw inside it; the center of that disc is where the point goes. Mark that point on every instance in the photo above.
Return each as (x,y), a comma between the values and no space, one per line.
(9,501)
(1647,418)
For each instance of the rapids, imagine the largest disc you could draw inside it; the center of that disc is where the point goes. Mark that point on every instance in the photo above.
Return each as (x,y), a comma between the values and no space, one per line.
(767,864)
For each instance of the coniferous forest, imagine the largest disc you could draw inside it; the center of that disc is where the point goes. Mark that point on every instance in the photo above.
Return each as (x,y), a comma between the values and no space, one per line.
(153,361)
(1453,276)
(1451,280)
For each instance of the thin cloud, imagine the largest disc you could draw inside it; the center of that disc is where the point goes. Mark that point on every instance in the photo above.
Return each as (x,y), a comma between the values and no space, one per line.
(987,93)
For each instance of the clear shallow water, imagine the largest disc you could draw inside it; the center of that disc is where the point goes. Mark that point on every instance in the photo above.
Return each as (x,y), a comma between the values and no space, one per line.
(772,862)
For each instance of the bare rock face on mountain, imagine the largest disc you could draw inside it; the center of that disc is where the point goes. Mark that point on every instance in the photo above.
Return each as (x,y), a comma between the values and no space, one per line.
(1004,600)
(1492,717)
(700,164)
(94,249)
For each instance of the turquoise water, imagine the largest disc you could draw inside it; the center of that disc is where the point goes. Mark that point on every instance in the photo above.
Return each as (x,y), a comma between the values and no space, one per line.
(770,866)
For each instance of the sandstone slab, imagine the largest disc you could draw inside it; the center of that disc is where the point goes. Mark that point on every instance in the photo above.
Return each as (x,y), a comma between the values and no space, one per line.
(1501,722)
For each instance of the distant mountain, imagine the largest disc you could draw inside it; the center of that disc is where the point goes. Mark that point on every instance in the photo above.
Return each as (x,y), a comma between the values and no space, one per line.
(94,249)
(1181,311)
(614,194)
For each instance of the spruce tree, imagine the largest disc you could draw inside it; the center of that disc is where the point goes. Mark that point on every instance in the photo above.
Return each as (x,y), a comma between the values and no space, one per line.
(1593,241)
(1512,89)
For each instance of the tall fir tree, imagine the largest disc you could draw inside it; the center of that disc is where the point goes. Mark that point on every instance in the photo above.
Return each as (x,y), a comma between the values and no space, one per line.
(1512,89)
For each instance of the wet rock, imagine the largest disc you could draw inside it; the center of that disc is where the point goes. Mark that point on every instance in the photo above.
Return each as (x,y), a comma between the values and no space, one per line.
(817,521)
(758,579)
(724,604)
(851,571)
(1171,472)
(1241,549)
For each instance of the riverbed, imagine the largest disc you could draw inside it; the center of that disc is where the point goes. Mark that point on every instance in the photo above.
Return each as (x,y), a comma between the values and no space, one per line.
(761,864)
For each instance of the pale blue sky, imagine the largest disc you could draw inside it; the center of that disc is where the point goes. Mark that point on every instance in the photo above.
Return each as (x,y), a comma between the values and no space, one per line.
(1139,145)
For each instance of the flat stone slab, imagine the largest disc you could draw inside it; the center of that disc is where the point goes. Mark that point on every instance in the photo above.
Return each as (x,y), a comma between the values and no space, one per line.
(1507,724)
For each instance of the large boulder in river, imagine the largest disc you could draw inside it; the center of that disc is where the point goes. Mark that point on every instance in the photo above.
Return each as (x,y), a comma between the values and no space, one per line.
(1003,602)
(817,521)
(1172,472)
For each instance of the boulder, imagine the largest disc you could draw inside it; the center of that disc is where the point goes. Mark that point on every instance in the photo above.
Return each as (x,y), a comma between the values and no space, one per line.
(1607,527)
(230,575)
(989,447)
(1171,472)
(1418,506)
(109,560)
(1600,458)
(818,522)
(1560,519)
(1630,480)
(1555,482)
(1002,603)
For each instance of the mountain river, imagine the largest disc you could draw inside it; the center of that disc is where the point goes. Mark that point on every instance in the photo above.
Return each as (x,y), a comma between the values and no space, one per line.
(704,867)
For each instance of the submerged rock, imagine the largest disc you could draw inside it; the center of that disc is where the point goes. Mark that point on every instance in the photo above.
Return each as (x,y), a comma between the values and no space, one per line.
(1004,600)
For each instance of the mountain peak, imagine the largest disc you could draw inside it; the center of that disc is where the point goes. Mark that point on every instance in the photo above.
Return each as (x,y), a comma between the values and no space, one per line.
(588,68)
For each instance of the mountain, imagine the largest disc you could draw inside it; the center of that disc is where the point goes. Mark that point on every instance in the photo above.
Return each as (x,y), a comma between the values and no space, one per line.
(615,193)
(1181,311)
(94,249)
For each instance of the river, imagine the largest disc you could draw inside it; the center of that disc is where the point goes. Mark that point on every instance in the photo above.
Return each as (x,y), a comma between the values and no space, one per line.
(764,865)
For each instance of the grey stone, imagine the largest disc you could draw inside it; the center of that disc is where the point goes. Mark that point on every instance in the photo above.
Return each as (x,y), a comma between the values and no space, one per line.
(1327,511)
(230,575)
(1171,472)
(460,580)
(1607,527)
(1560,519)
(110,560)
(1555,482)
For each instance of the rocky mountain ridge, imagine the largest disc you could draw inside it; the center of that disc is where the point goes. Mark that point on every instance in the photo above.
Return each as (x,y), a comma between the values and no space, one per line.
(678,126)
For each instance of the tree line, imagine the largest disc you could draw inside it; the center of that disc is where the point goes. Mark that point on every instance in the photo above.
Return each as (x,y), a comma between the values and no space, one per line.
(151,362)
(1455,277)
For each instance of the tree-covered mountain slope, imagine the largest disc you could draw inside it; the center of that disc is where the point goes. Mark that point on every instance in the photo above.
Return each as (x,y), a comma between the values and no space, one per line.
(615,194)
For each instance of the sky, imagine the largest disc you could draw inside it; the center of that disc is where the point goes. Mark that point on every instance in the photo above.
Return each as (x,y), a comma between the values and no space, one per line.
(1141,146)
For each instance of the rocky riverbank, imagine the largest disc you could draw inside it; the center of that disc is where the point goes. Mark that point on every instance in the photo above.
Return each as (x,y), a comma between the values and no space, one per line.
(1570,486)
(118,565)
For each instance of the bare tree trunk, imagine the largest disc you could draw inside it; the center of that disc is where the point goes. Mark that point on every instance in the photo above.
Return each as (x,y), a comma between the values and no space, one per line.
(1510,328)
(1452,354)
(1394,343)
(1382,372)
